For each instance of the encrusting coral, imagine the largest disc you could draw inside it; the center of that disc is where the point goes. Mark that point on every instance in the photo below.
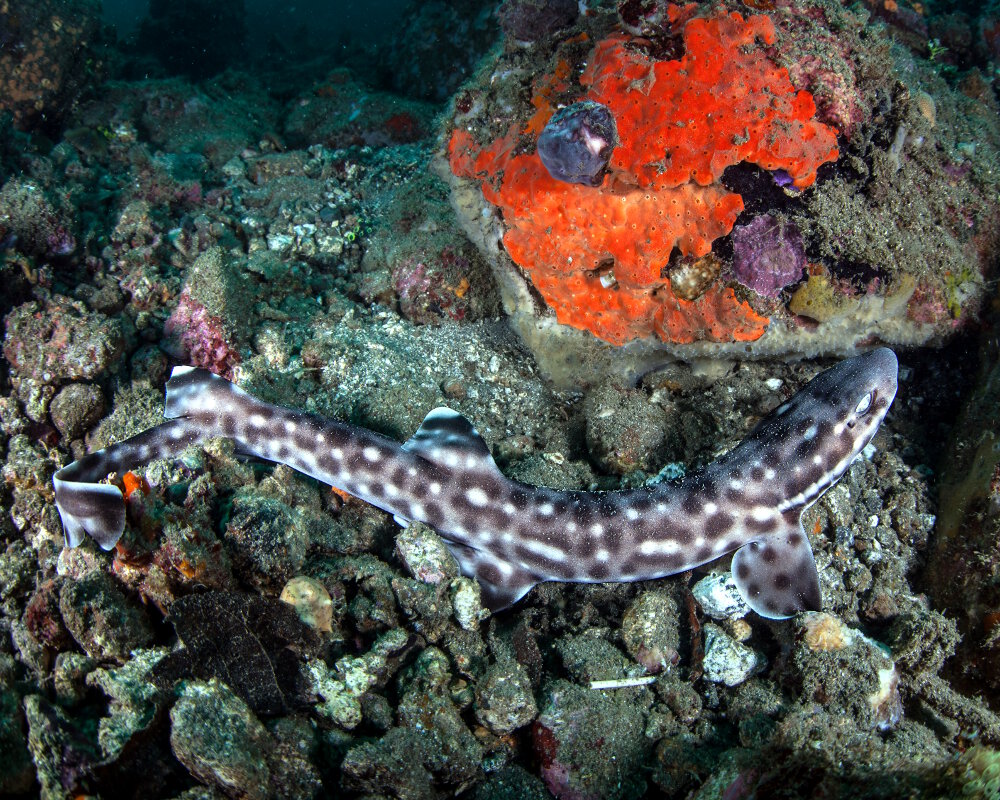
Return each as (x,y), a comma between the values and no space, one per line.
(598,254)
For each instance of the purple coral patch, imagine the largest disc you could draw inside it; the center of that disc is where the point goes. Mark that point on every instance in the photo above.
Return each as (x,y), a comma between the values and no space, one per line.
(198,337)
(768,254)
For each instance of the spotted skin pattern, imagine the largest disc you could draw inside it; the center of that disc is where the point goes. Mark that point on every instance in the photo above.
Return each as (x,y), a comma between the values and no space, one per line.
(510,535)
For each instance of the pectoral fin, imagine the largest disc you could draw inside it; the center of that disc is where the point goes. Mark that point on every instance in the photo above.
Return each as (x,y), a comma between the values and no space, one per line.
(777,575)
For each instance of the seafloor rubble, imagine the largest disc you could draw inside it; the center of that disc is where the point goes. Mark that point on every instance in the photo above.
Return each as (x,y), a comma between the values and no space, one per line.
(257,635)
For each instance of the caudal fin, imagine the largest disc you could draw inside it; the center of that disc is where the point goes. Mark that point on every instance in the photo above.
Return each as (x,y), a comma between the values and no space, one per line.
(88,507)
(93,509)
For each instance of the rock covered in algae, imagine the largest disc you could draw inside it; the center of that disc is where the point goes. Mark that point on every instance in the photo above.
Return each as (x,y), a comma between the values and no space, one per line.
(216,736)
(591,743)
(625,430)
(16,773)
(131,700)
(963,568)
(61,340)
(650,631)
(726,660)
(101,619)
(268,541)
(504,701)
(876,222)
(425,554)
(63,754)
(467,602)
(854,674)
(430,749)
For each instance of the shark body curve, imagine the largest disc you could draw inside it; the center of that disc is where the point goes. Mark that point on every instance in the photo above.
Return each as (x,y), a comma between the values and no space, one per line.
(510,535)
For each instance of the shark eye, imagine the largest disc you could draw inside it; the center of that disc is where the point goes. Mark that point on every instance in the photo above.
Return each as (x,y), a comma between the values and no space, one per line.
(865,404)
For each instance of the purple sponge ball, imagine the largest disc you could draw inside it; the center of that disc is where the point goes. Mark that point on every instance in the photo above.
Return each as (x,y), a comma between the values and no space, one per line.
(575,146)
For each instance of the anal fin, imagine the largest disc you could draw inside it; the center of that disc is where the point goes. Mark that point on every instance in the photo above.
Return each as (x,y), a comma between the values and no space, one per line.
(777,575)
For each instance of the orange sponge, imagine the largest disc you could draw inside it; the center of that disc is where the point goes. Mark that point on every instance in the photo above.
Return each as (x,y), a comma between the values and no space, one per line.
(723,102)
(634,228)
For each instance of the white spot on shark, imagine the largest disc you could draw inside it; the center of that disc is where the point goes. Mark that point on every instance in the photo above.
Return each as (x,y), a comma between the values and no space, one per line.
(477,497)
(545,550)
(651,547)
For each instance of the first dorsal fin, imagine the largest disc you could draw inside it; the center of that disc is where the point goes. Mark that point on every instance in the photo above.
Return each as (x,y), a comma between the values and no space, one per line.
(447,438)
(777,575)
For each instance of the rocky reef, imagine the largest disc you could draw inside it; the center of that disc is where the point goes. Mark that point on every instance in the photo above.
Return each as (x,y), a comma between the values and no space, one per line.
(788,181)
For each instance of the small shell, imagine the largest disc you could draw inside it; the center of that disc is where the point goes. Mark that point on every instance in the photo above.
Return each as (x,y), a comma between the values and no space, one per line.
(926,106)
(311,602)
(691,277)
(576,144)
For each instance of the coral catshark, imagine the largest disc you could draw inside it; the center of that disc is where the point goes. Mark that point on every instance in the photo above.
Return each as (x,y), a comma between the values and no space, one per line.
(510,535)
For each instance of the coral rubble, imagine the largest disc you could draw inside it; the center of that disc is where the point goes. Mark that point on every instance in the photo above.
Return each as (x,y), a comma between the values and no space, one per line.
(803,177)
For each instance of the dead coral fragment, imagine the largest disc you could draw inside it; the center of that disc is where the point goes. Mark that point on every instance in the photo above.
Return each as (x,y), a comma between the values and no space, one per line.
(311,602)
